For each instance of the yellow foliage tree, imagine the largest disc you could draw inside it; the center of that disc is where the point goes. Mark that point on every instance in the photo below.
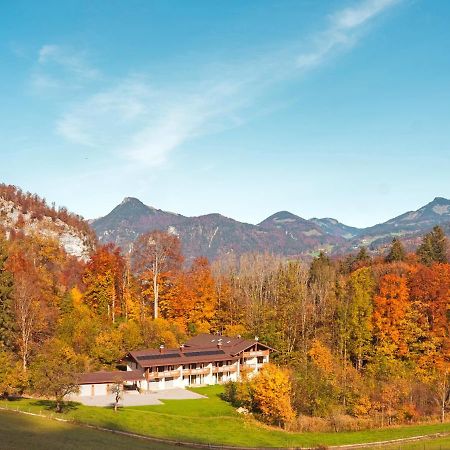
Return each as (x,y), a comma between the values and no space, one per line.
(271,395)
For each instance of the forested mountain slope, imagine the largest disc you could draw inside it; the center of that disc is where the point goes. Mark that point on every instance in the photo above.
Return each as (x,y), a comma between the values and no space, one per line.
(282,233)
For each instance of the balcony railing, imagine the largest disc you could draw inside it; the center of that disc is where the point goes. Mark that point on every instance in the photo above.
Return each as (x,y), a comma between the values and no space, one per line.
(256,353)
(221,369)
(199,371)
(163,374)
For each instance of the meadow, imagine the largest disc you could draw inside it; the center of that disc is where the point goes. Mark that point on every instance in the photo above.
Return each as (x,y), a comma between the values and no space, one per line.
(210,421)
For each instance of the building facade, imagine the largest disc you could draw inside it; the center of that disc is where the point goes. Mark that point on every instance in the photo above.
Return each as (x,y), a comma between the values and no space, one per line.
(205,359)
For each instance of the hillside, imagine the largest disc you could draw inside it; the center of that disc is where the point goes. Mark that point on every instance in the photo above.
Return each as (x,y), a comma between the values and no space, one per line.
(29,214)
(408,226)
(131,218)
(212,235)
(282,233)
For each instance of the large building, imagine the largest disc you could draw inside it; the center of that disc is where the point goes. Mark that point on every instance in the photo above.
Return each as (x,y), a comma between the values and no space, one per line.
(203,360)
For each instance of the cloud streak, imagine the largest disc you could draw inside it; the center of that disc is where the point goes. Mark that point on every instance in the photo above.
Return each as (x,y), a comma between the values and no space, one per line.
(144,123)
(59,68)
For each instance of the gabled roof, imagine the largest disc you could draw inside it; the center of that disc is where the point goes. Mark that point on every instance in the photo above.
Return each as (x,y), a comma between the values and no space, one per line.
(234,345)
(116,376)
(203,348)
(169,357)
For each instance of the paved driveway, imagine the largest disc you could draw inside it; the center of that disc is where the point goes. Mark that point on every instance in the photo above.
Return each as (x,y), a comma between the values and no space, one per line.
(132,398)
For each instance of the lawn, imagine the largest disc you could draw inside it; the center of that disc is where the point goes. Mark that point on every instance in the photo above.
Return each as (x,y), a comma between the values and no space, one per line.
(20,431)
(213,421)
(428,444)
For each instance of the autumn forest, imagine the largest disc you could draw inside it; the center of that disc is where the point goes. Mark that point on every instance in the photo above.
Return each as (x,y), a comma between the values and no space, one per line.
(362,340)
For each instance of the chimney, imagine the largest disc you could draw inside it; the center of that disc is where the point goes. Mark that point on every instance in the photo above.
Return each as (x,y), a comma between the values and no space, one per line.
(181,348)
(219,343)
(161,348)
(256,338)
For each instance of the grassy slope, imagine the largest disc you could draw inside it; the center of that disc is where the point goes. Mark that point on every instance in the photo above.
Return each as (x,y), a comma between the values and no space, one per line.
(211,420)
(19,431)
(429,444)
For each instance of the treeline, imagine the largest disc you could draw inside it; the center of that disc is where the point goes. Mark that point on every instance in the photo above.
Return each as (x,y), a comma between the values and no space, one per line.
(364,341)
(37,208)
(367,340)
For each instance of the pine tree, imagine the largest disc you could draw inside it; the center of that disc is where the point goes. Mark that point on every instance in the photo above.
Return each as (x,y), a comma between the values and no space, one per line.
(6,286)
(433,248)
(363,255)
(396,252)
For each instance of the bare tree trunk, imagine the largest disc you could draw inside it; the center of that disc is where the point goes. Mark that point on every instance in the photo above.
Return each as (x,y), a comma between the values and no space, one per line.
(155,289)
(113,306)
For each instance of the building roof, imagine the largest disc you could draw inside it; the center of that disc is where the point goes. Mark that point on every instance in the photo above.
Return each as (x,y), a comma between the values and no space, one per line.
(115,376)
(200,349)
(171,357)
(234,345)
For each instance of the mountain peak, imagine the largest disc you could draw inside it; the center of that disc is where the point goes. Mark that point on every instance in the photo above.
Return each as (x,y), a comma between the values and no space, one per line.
(282,216)
(440,200)
(131,200)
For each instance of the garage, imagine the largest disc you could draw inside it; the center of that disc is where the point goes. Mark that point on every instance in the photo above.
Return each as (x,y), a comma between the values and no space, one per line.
(100,383)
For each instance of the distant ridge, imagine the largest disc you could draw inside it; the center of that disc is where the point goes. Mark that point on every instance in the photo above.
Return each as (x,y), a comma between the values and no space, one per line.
(283,233)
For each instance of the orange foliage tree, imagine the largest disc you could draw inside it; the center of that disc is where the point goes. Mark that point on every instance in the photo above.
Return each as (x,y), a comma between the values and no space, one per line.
(390,309)
(104,280)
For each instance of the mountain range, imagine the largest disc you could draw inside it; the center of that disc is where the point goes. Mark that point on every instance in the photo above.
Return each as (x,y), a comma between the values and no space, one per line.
(283,233)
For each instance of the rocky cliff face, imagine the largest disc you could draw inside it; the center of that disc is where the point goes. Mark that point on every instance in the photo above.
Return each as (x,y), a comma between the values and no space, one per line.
(13,218)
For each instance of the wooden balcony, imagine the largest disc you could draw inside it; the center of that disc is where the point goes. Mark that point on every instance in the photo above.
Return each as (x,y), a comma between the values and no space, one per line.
(164,374)
(221,369)
(256,354)
(247,368)
(199,371)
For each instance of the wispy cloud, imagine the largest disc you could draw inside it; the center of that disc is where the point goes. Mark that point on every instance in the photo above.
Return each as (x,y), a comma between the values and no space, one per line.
(344,30)
(73,62)
(145,123)
(60,67)
(352,17)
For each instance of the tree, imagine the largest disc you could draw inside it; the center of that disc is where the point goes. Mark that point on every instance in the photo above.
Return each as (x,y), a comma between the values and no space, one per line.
(6,290)
(396,252)
(291,309)
(103,277)
(355,316)
(430,291)
(362,257)
(154,254)
(390,310)
(108,348)
(202,297)
(26,303)
(433,247)
(321,293)
(268,394)
(12,379)
(117,391)
(54,372)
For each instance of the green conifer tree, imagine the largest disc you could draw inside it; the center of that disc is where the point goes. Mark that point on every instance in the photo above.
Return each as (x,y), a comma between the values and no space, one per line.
(6,287)
(433,248)
(396,252)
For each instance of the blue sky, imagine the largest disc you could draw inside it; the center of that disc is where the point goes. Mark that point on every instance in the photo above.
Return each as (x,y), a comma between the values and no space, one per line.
(330,108)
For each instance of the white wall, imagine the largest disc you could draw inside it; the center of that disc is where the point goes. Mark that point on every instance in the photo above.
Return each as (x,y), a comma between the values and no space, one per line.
(86,390)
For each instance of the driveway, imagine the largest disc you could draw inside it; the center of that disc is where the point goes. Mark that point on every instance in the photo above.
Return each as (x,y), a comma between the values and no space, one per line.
(133,398)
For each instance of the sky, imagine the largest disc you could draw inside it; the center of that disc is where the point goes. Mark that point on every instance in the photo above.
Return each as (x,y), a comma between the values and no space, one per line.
(322,108)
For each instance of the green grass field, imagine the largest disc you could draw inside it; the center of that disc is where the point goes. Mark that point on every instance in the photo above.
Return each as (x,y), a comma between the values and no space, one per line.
(426,444)
(20,431)
(213,421)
